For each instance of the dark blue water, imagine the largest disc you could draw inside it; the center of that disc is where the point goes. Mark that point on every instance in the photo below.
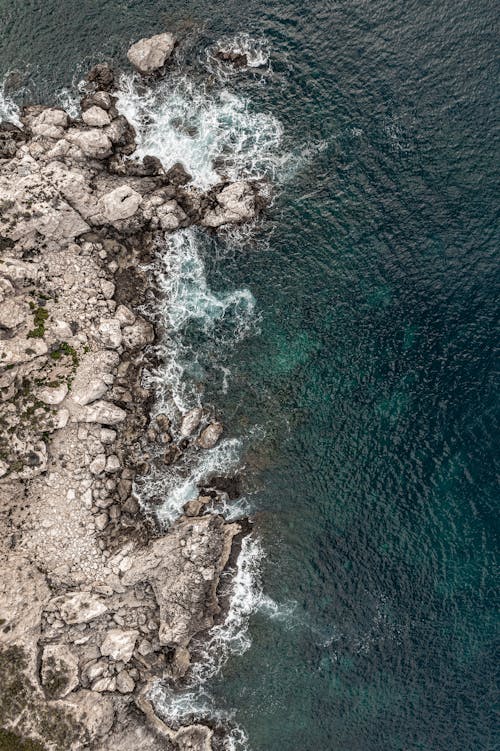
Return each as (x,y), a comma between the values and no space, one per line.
(374,375)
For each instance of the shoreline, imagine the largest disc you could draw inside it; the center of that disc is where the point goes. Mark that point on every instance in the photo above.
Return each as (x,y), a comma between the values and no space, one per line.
(98,602)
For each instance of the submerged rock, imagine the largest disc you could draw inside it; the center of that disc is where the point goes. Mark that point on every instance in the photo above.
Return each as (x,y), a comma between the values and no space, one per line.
(148,55)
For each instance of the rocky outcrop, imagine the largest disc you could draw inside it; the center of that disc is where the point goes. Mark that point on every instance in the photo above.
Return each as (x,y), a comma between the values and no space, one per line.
(150,55)
(96,600)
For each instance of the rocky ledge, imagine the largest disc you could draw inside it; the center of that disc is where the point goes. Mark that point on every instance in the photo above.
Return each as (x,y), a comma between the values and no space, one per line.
(96,602)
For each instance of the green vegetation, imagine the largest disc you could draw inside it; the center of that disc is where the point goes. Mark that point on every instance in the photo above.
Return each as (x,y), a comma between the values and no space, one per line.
(40,316)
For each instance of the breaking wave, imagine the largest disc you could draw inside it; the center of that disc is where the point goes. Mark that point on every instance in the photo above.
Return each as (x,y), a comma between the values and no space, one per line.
(9,111)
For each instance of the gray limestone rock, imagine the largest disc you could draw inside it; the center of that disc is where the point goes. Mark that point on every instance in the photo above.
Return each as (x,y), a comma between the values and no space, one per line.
(148,55)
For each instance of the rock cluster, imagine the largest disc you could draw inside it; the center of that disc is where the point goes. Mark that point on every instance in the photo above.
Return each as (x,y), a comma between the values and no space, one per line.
(95,602)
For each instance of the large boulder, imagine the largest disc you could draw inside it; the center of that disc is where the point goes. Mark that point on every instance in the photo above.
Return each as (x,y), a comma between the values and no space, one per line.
(235,204)
(93,142)
(96,117)
(120,203)
(210,435)
(148,55)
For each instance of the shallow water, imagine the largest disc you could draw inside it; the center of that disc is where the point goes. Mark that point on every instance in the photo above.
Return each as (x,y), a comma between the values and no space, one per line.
(363,390)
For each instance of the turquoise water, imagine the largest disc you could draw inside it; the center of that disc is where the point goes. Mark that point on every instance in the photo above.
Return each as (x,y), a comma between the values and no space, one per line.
(365,391)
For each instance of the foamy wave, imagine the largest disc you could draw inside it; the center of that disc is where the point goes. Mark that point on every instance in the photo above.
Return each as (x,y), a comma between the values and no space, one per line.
(169,490)
(9,111)
(189,306)
(255,50)
(215,134)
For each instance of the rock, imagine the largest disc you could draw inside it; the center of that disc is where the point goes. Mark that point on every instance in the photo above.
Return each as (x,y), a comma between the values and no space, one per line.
(119,644)
(190,422)
(101,522)
(89,392)
(120,203)
(102,75)
(54,395)
(108,288)
(124,315)
(93,142)
(101,99)
(181,661)
(16,351)
(94,711)
(138,335)
(60,419)
(110,333)
(193,508)
(236,204)
(95,117)
(59,671)
(210,435)
(107,436)
(163,422)
(104,684)
(80,607)
(178,175)
(124,682)
(112,463)
(170,216)
(98,464)
(13,313)
(122,134)
(104,413)
(144,647)
(148,55)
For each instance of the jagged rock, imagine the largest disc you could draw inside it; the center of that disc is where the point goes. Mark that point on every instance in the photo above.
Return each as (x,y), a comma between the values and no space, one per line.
(13,313)
(170,215)
(89,391)
(102,75)
(93,142)
(94,711)
(119,644)
(53,395)
(110,333)
(193,508)
(190,422)
(101,521)
(138,335)
(79,607)
(98,464)
(16,351)
(209,437)
(235,204)
(59,671)
(101,99)
(96,117)
(124,682)
(148,55)
(178,175)
(104,684)
(103,412)
(120,203)
(113,464)
(122,135)
(124,315)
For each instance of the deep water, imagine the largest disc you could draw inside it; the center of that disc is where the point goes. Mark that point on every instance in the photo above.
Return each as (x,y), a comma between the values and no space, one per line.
(365,393)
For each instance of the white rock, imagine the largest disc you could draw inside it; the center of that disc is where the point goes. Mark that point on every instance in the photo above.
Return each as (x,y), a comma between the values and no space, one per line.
(120,203)
(110,333)
(98,464)
(101,522)
(124,682)
(80,607)
(138,335)
(104,413)
(92,142)
(55,395)
(15,351)
(236,203)
(96,117)
(61,330)
(108,288)
(147,55)
(112,463)
(89,392)
(210,435)
(60,419)
(124,315)
(170,215)
(190,422)
(107,435)
(119,644)
(104,684)
(53,116)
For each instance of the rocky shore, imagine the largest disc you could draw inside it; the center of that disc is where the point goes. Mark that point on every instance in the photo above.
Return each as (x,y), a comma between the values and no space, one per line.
(97,602)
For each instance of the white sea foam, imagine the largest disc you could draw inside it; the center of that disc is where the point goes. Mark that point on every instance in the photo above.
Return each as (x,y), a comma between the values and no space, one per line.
(9,111)
(188,304)
(214,133)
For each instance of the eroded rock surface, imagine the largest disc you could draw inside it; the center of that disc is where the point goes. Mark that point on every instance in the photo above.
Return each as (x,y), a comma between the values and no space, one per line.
(96,601)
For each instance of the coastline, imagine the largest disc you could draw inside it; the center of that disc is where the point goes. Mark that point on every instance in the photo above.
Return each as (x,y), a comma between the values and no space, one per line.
(98,600)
